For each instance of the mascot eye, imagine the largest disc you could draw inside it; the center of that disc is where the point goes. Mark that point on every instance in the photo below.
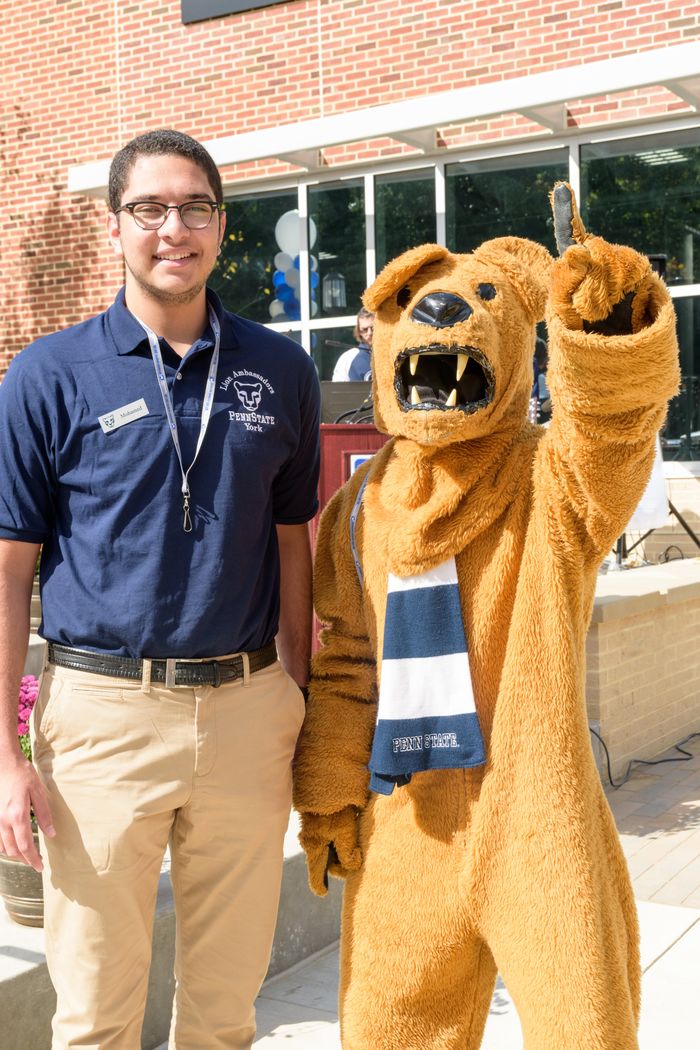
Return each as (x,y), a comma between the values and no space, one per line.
(486,291)
(404,296)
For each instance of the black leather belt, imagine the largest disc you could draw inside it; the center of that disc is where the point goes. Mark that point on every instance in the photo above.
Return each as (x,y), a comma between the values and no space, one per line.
(179,672)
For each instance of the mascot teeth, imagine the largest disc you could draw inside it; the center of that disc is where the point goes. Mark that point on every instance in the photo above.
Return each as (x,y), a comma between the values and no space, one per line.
(442,377)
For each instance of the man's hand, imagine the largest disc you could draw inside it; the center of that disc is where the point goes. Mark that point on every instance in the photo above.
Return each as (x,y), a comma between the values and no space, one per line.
(20,787)
(20,790)
(596,286)
(331,845)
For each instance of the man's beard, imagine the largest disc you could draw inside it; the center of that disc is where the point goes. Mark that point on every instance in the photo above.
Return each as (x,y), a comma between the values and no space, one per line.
(170,298)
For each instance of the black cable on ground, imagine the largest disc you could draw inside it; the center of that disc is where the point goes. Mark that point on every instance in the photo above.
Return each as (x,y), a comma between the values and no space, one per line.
(685,756)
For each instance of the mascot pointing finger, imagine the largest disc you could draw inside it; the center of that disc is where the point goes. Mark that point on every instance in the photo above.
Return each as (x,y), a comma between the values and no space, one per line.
(445,767)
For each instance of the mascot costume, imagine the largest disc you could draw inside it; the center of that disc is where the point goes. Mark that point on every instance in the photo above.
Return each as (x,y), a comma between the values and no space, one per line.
(445,767)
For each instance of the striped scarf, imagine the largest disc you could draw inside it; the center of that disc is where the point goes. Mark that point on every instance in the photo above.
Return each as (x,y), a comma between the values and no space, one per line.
(426,718)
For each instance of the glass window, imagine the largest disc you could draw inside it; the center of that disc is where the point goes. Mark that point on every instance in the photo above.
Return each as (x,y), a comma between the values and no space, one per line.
(247,276)
(327,344)
(405,213)
(680,437)
(504,197)
(337,246)
(644,192)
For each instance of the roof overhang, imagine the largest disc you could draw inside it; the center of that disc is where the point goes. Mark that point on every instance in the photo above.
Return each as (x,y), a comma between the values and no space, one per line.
(542,97)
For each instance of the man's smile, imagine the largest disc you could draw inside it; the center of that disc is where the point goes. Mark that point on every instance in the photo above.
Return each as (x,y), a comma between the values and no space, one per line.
(174,256)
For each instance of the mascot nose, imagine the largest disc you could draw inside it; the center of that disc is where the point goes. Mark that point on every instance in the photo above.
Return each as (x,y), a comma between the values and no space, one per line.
(441,310)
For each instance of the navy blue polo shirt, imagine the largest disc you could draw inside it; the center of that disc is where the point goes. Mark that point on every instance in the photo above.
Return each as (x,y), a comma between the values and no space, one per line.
(118,572)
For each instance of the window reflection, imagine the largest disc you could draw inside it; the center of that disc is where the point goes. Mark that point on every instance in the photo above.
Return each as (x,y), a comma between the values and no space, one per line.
(245,270)
(681,435)
(505,197)
(405,213)
(644,192)
(337,211)
(327,344)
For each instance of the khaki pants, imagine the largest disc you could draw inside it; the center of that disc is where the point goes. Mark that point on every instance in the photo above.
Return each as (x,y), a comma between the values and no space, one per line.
(207,770)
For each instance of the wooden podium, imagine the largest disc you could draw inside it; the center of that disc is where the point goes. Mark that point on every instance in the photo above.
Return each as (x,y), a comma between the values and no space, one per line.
(344,446)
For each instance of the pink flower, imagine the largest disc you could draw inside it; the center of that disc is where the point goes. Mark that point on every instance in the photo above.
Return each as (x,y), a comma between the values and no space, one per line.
(28,692)
(29,687)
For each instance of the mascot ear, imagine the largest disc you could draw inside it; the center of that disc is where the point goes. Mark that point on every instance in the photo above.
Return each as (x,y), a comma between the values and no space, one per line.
(396,273)
(527,266)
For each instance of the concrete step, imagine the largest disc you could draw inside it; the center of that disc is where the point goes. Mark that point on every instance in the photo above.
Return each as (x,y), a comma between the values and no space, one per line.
(305,925)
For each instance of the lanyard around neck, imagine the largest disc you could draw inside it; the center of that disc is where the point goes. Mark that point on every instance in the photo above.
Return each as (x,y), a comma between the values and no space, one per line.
(207,405)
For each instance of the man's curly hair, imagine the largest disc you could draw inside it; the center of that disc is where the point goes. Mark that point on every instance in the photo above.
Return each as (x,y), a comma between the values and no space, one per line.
(163,141)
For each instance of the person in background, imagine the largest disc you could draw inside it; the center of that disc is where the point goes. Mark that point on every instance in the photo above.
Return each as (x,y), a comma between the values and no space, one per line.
(355,365)
(165,453)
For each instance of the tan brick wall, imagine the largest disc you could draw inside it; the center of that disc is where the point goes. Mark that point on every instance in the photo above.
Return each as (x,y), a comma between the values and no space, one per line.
(81,77)
(643,668)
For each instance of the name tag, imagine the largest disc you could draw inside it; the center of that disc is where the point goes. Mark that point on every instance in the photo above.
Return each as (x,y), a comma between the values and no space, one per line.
(113,420)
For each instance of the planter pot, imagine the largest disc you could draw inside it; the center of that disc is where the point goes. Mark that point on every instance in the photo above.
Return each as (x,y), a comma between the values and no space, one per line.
(22,890)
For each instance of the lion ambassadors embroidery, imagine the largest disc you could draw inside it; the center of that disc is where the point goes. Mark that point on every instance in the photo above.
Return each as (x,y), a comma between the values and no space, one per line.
(250,388)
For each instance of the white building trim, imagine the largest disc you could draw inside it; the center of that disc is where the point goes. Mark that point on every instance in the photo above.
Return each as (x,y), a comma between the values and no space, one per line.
(542,96)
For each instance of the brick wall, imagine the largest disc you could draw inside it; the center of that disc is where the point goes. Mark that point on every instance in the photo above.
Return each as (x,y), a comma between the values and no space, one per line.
(643,660)
(81,77)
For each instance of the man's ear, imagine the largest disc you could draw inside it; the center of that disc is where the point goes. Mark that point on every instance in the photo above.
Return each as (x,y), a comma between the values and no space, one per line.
(222,226)
(396,273)
(114,233)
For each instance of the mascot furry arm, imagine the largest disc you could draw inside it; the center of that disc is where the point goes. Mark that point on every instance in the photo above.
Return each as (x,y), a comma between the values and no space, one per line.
(447,477)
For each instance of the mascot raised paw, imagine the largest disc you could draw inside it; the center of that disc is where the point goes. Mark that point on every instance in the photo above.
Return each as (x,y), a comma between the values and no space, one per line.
(445,768)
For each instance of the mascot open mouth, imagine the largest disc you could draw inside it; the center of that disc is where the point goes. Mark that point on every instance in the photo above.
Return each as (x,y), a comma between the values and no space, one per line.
(438,376)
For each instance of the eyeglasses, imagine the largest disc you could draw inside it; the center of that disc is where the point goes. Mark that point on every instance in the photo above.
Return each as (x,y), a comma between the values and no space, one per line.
(150,215)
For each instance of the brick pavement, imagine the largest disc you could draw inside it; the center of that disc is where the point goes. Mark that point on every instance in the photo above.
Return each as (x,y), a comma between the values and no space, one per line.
(657,813)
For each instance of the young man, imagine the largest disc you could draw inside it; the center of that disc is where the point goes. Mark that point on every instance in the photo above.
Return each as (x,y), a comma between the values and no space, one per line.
(165,454)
